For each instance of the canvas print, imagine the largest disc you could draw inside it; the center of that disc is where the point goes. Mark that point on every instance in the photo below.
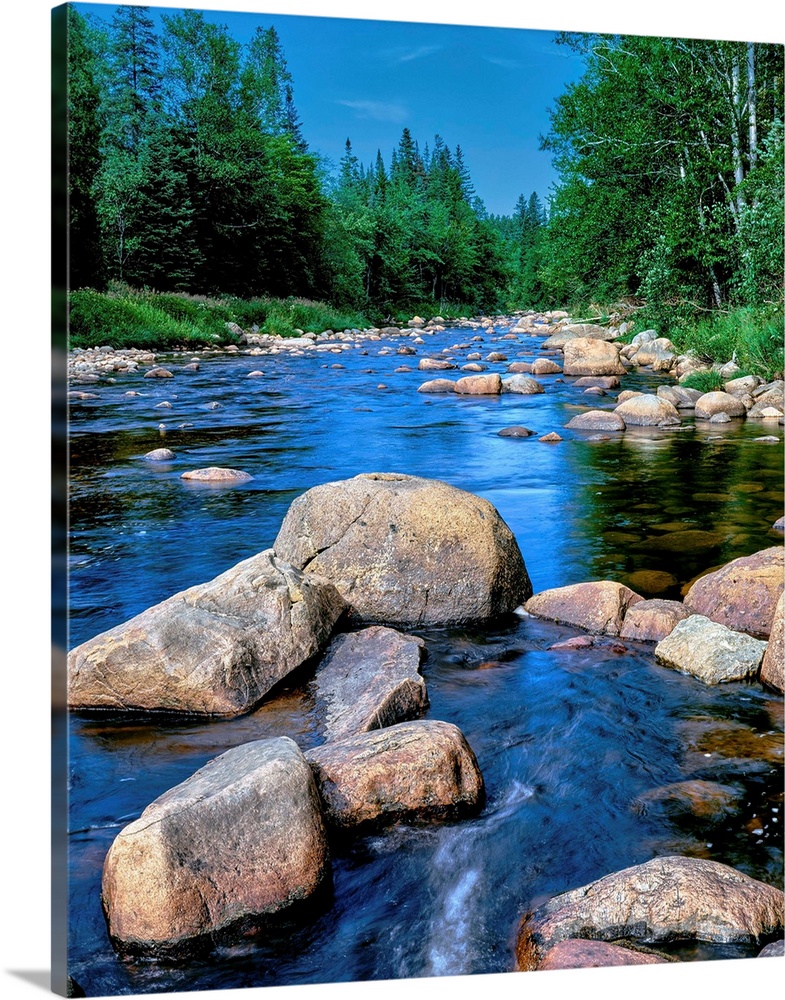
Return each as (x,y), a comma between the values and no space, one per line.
(423,507)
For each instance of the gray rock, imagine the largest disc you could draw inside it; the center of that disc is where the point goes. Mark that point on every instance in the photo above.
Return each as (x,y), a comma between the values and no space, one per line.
(596,420)
(522,384)
(368,680)
(160,455)
(214,649)
(709,651)
(406,550)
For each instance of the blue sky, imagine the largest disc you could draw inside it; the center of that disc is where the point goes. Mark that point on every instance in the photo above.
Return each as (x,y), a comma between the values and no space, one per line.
(486,89)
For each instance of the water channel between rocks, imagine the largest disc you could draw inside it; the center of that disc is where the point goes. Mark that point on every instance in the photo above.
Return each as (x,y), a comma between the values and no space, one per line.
(568,741)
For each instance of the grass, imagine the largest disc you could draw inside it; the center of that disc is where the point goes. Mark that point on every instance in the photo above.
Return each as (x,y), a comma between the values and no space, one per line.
(752,336)
(123,318)
(705,381)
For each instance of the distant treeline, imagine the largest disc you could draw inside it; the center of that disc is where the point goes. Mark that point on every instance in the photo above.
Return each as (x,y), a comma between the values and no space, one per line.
(190,171)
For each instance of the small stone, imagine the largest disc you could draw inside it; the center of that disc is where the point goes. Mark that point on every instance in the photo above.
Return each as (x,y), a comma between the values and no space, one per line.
(158,373)
(256,374)
(551,438)
(160,455)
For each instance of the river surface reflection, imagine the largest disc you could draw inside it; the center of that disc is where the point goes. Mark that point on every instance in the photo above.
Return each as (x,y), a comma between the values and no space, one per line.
(571,743)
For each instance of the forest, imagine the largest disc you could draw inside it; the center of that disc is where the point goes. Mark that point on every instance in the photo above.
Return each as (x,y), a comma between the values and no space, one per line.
(190,172)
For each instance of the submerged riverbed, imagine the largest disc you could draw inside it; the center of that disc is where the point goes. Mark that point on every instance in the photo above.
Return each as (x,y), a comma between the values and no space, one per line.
(569,742)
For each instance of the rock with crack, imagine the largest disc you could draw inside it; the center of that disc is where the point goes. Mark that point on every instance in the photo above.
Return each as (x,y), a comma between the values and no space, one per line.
(240,840)
(215,649)
(404,550)
(368,680)
(413,771)
(709,651)
(665,899)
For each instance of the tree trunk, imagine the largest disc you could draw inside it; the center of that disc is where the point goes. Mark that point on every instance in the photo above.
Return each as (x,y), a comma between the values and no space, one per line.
(738,165)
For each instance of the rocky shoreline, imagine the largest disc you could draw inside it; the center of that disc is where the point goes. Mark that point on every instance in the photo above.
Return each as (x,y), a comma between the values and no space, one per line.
(357,564)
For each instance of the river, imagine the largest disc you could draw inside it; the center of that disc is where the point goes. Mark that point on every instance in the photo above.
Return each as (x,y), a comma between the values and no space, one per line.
(567,742)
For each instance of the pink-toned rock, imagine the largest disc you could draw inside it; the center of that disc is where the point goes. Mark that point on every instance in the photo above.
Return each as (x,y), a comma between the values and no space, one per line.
(217,475)
(596,420)
(742,594)
(575,642)
(158,373)
(496,356)
(437,385)
(589,356)
(551,438)
(627,394)
(597,607)
(648,410)
(576,953)
(519,368)
(712,403)
(422,770)
(472,367)
(480,385)
(652,620)
(772,671)
(663,899)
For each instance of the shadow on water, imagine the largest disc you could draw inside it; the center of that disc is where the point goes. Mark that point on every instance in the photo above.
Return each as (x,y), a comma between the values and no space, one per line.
(593,759)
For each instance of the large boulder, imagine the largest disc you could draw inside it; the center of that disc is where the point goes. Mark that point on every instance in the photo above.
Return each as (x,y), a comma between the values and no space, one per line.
(711,652)
(368,680)
(597,607)
(648,410)
(406,550)
(214,649)
(665,899)
(413,771)
(651,621)
(743,594)
(241,839)
(772,670)
(712,403)
(590,356)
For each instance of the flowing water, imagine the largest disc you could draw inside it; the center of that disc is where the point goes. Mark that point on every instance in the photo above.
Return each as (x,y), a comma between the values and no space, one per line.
(569,742)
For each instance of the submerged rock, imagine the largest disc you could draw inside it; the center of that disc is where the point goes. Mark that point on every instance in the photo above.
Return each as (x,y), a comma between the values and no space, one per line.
(214,649)
(368,680)
(413,771)
(515,431)
(406,550)
(707,800)
(575,953)
(214,474)
(595,607)
(743,594)
(242,838)
(665,899)
(709,651)
(160,455)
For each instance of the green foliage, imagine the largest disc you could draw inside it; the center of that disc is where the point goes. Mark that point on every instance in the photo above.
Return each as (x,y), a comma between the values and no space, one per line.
(705,381)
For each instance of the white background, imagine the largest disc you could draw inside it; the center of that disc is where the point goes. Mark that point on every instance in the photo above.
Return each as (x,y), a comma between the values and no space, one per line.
(25,488)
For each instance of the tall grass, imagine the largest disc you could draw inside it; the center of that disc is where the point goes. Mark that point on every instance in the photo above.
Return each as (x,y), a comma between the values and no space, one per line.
(123,318)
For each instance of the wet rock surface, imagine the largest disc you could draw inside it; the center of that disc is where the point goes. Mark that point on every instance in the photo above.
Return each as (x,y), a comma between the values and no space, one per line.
(596,607)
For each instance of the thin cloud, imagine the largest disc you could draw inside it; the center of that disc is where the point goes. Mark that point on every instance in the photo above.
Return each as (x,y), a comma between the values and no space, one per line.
(377,110)
(503,63)
(401,55)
